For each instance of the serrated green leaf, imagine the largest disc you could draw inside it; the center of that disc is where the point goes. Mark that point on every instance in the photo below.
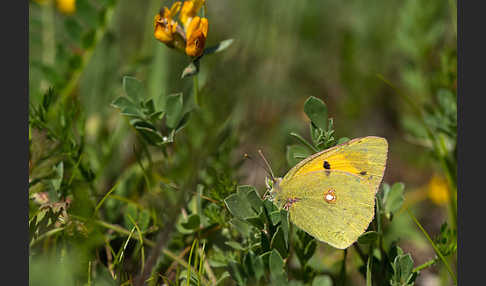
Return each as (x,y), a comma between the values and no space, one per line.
(316,110)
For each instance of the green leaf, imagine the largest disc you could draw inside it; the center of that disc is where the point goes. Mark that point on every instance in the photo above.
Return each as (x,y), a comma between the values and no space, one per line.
(173,107)
(304,142)
(235,245)
(276,264)
(239,206)
(236,272)
(342,140)
(152,137)
(183,122)
(368,237)
(296,153)
(264,241)
(73,29)
(221,46)
(402,270)
(256,221)
(133,88)
(257,265)
(131,111)
(59,171)
(393,199)
(322,280)
(278,242)
(255,201)
(241,226)
(275,217)
(316,110)
(284,224)
(193,222)
(122,102)
(149,106)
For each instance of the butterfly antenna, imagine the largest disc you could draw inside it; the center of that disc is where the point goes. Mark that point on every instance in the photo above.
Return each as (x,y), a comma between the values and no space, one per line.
(259,165)
(267,164)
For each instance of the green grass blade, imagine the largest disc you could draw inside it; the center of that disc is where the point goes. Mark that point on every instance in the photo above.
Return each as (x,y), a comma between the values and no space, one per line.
(437,251)
(104,198)
(189,264)
(140,237)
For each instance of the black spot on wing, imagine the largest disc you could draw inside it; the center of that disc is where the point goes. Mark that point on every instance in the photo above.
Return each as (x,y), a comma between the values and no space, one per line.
(326,165)
(362,173)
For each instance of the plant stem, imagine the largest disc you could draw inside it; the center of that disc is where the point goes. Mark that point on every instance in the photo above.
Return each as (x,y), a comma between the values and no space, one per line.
(196,89)
(437,251)
(425,265)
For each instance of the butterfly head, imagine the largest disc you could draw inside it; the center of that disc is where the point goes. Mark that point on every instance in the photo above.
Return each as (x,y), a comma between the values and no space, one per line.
(273,188)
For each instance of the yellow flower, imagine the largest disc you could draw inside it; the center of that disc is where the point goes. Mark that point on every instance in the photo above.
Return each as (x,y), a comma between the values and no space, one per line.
(66,6)
(196,34)
(165,28)
(189,10)
(438,191)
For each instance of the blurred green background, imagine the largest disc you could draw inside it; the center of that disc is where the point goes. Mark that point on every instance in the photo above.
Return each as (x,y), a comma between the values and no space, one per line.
(343,52)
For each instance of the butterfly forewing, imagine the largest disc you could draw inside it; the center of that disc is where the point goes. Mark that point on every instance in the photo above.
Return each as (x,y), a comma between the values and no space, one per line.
(334,206)
(365,157)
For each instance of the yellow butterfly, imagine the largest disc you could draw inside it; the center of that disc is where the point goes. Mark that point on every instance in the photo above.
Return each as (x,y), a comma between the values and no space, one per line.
(331,194)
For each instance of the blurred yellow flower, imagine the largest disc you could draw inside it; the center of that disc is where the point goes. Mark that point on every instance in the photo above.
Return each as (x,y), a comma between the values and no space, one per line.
(192,39)
(66,6)
(438,191)
(164,26)
(196,36)
(189,10)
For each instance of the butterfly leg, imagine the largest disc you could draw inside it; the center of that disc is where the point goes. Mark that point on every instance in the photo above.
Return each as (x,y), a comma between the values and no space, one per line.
(290,202)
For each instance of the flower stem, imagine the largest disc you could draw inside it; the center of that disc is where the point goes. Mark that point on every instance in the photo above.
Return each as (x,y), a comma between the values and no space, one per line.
(196,89)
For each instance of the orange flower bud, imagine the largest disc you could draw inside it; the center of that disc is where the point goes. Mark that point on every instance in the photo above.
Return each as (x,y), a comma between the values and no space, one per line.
(196,33)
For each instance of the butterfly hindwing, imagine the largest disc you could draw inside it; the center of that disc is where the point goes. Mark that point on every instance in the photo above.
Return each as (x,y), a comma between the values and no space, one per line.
(365,157)
(333,206)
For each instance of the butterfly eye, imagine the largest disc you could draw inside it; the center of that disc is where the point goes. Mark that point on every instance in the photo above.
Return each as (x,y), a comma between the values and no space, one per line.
(330,196)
